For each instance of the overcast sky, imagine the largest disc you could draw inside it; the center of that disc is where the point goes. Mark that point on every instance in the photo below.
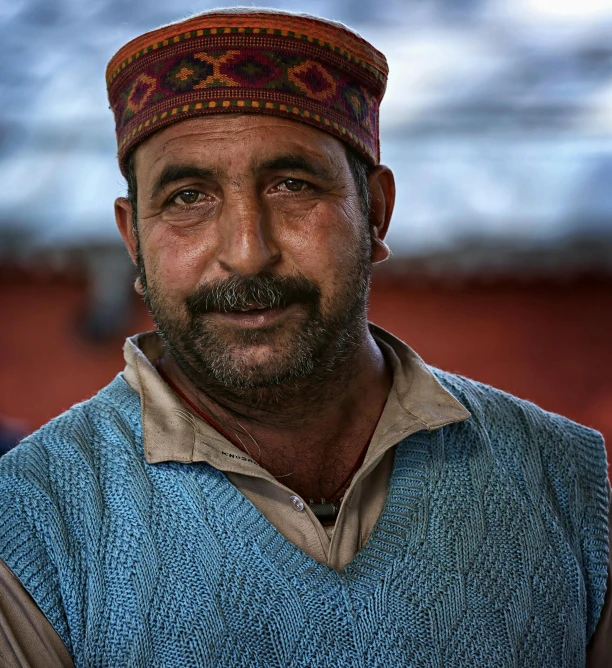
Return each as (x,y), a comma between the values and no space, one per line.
(497,118)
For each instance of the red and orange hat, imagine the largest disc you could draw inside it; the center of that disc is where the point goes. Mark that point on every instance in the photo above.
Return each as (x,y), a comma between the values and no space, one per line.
(249,61)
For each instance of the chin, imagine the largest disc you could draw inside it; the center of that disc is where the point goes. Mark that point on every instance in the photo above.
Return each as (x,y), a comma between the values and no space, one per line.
(259,367)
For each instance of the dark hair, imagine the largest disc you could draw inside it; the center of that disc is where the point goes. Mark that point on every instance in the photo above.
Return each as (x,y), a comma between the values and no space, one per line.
(358,166)
(132,189)
(360,169)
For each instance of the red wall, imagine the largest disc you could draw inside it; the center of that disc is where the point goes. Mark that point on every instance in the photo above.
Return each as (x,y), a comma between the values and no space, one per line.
(547,342)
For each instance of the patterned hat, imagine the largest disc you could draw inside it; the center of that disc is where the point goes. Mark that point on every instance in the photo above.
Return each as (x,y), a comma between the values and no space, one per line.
(249,61)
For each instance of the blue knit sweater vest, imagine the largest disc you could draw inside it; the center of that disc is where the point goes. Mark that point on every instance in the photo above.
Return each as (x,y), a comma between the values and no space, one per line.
(491,549)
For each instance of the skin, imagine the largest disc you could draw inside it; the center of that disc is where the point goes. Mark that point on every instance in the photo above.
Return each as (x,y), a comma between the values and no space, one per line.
(244,215)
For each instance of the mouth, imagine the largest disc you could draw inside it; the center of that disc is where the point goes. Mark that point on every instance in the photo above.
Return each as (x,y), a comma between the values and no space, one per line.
(255,315)
(253,307)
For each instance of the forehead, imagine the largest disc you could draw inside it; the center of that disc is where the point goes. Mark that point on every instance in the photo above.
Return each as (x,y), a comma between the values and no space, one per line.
(235,141)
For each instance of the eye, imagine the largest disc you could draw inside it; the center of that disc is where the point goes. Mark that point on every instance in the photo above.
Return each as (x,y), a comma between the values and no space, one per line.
(293,185)
(187,197)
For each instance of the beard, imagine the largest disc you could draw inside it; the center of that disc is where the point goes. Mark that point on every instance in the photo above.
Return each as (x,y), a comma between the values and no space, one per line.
(311,345)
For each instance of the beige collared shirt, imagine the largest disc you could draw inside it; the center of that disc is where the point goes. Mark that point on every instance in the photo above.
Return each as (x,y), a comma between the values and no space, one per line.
(172,433)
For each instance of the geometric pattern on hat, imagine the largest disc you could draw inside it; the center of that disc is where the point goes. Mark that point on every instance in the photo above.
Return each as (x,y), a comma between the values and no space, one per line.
(281,64)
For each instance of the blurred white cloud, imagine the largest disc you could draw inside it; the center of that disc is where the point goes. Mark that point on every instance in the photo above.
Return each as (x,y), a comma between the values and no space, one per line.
(564,10)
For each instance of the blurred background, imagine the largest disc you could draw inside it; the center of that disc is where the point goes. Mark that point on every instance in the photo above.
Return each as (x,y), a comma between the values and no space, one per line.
(497,122)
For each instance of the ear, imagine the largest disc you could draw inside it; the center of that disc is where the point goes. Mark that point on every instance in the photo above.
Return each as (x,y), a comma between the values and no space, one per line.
(382,199)
(123,218)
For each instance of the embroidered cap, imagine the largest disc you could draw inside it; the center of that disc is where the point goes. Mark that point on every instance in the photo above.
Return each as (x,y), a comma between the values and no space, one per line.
(236,61)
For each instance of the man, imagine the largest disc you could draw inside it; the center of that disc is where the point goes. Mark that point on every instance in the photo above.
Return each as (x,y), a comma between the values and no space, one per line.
(272,481)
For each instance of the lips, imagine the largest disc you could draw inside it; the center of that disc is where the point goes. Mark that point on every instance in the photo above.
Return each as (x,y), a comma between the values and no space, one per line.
(251,307)
(254,317)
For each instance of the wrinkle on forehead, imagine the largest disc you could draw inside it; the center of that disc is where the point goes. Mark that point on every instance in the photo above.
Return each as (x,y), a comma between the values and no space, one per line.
(218,136)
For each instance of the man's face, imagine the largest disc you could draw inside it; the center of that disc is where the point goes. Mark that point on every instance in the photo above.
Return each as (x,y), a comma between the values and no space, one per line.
(253,248)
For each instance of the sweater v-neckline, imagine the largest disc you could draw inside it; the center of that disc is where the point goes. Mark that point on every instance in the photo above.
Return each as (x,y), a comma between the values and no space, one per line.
(391,533)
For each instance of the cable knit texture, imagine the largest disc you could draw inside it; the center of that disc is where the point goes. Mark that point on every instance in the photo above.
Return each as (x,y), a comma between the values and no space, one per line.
(491,549)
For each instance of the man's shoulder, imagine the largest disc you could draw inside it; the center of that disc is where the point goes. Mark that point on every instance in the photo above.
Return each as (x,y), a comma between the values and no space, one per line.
(493,408)
(60,469)
(80,430)
(540,450)
(528,438)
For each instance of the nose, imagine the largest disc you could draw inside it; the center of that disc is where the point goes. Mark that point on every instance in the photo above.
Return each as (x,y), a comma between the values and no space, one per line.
(247,245)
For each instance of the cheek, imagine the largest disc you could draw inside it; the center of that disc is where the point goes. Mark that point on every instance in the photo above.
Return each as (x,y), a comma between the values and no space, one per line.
(176,261)
(325,247)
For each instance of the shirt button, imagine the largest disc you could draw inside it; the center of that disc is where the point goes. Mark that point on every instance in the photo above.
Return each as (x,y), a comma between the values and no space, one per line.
(297,503)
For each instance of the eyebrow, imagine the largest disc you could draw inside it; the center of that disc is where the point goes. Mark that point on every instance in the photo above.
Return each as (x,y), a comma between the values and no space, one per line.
(172,173)
(295,162)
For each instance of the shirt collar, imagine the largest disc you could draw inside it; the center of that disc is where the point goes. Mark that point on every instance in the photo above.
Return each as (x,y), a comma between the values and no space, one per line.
(172,433)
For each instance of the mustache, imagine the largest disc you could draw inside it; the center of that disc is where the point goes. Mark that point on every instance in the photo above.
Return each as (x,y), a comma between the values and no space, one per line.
(238,293)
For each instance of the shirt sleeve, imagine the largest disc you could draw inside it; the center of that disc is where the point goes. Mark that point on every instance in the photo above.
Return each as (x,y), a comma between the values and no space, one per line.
(599,651)
(27,639)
